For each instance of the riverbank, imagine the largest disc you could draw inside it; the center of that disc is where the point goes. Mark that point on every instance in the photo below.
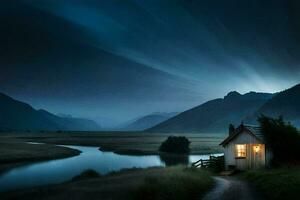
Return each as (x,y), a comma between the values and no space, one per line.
(14,153)
(129,143)
(169,183)
(276,184)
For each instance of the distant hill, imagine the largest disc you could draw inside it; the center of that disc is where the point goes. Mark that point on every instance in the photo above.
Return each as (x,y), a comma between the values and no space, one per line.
(107,123)
(71,123)
(147,121)
(215,115)
(16,115)
(285,103)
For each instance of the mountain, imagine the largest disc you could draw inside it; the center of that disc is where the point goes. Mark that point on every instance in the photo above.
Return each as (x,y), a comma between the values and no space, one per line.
(71,123)
(107,123)
(48,57)
(16,115)
(147,121)
(215,115)
(286,104)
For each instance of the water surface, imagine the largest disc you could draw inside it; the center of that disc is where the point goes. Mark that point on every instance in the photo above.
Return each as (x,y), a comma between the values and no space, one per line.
(60,170)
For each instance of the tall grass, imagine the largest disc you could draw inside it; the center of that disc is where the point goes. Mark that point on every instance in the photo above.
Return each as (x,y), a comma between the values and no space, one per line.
(174,183)
(277,184)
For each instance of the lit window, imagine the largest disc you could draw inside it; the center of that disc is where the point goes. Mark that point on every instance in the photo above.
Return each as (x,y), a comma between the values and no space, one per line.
(240,150)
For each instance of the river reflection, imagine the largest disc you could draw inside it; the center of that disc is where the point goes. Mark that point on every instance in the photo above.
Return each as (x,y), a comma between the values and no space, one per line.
(60,170)
(171,159)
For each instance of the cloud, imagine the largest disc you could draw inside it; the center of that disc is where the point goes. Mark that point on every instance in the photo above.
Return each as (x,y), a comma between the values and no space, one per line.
(152,55)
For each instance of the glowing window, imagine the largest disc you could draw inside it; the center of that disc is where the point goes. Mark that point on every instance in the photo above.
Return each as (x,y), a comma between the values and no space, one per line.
(240,150)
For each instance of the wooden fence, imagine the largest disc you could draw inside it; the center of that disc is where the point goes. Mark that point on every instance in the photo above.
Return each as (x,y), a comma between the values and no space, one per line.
(214,162)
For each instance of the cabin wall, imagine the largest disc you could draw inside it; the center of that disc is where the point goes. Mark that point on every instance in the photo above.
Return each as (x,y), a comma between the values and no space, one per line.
(257,160)
(229,154)
(248,162)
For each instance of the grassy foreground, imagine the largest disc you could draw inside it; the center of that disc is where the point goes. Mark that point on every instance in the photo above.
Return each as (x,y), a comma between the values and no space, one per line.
(170,183)
(174,183)
(276,183)
(137,143)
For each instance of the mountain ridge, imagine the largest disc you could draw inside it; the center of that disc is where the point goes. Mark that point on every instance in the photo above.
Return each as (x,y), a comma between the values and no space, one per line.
(215,115)
(147,121)
(19,116)
(286,104)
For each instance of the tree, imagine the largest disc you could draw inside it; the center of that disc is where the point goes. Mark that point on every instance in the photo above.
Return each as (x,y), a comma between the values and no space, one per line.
(174,159)
(282,138)
(173,144)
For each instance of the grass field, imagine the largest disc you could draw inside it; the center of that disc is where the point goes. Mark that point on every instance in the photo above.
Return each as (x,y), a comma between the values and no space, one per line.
(14,152)
(170,183)
(276,184)
(123,142)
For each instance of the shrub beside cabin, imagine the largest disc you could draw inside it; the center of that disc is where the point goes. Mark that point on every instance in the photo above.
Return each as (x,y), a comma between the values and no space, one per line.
(245,149)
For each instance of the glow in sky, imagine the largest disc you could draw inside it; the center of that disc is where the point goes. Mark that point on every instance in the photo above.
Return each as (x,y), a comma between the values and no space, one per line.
(122,59)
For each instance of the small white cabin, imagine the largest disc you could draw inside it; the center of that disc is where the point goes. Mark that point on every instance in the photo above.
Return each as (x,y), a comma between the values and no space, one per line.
(245,149)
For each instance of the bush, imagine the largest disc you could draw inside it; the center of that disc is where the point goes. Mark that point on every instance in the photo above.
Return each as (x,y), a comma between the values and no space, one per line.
(282,138)
(276,184)
(174,159)
(86,175)
(179,145)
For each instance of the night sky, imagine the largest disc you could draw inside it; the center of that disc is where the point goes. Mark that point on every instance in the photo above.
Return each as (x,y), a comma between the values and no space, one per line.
(120,59)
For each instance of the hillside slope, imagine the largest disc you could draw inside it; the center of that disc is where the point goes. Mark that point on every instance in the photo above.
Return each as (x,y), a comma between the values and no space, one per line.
(215,115)
(16,115)
(286,104)
(148,121)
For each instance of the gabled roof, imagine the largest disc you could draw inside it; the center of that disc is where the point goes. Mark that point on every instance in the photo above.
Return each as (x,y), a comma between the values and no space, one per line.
(256,130)
(253,130)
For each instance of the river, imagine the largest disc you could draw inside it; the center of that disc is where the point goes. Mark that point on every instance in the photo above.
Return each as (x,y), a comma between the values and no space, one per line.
(61,170)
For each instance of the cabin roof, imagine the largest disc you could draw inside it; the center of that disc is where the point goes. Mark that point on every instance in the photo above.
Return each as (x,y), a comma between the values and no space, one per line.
(253,130)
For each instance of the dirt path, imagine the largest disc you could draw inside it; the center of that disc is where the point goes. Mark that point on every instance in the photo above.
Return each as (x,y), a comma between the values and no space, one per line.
(229,188)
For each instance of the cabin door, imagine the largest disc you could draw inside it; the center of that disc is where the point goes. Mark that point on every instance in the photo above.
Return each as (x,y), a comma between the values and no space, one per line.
(257,156)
